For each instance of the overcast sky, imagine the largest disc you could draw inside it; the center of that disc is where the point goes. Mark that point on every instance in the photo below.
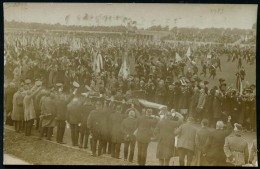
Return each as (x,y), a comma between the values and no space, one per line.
(146,15)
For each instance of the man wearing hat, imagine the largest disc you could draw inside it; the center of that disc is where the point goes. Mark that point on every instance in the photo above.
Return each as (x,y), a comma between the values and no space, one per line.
(214,152)
(61,105)
(48,114)
(164,131)
(29,111)
(236,147)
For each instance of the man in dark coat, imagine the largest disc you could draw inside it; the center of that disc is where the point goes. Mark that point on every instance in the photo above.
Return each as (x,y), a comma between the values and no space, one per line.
(129,125)
(115,121)
(73,117)
(61,104)
(160,93)
(94,125)
(8,102)
(144,133)
(214,154)
(84,131)
(48,114)
(164,132)
(186,141)
(200,140)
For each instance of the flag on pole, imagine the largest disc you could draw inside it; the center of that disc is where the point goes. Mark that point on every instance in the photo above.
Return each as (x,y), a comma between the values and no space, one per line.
(177,57)
(124,70)
(188,53)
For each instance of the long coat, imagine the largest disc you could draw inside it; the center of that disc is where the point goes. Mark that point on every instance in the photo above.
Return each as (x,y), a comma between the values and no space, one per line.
(186,136)
(129,125)
(8,98)
(74,110)
(145,129)
(48,111)
(165,133)
(215,155)
(237,147)
(201,137)
(115,127)
(29,112)
(18,112)
(216,107)
(94,122)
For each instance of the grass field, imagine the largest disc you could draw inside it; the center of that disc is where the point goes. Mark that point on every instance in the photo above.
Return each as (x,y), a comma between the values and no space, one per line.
(228,72)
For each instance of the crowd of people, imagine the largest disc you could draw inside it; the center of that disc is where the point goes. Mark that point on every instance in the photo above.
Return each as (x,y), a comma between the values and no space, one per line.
(54,82)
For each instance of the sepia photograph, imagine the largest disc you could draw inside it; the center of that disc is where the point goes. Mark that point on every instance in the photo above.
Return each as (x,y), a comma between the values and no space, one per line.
(130,84)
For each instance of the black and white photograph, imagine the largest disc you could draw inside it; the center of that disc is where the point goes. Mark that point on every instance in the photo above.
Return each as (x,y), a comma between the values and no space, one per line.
(129,84)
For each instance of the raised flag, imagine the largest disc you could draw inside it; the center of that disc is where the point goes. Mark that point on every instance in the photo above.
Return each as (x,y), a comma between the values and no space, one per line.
(188,53)
(177,57)
(209,56)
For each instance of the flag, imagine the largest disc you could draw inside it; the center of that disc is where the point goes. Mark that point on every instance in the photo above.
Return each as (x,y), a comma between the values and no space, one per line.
(246,38)
(188,53)
(124,70)
(209,56)
(239,84)
(177,57)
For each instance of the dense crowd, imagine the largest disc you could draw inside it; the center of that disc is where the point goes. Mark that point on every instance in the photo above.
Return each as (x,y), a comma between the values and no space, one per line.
(63,66)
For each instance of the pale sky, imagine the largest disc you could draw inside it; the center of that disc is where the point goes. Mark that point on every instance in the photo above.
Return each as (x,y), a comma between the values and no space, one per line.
(146,15)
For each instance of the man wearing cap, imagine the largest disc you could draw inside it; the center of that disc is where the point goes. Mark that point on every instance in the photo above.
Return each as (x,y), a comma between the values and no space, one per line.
(144,134)
(29,111)
(214,146)
(164,131)
(48,114)
(18,112)
(236,147)
(129,125)
(84,131)
(61,115)
(186,141)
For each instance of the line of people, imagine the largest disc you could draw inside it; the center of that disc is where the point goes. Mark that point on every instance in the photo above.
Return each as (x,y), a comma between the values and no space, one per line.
(107,125)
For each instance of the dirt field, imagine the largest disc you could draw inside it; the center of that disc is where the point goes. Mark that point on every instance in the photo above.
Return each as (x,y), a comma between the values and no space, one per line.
(42,152)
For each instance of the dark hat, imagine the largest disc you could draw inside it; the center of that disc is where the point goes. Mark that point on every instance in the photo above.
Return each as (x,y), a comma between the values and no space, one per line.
(252,86)
(206,82)
(238,127)
(221,80)
(27,81)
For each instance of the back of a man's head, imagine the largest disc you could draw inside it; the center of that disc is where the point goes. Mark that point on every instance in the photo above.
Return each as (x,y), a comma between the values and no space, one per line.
(220,125)
(205,123)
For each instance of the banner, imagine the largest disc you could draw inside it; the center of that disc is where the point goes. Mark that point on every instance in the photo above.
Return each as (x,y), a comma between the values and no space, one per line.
(177,57)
